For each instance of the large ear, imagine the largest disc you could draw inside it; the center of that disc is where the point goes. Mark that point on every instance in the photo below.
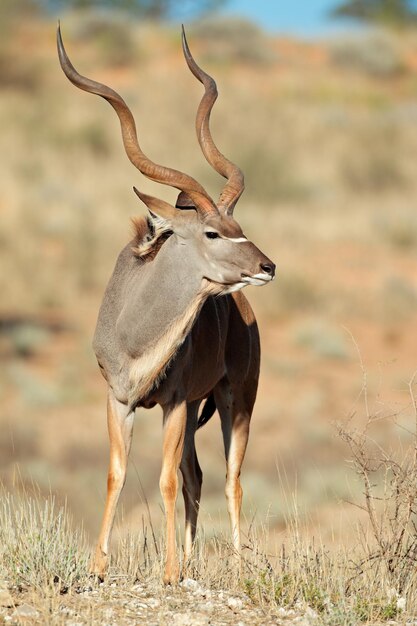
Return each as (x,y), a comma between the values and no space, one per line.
(157,207)
(184,201)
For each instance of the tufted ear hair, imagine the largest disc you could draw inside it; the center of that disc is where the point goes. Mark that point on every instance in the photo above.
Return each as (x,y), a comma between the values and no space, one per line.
(157,207)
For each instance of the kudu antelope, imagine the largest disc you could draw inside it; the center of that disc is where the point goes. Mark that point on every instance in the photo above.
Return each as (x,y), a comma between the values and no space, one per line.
(164,336)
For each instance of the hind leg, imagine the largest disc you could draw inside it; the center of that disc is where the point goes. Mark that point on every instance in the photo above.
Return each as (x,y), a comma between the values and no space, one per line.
(120,426)
(192,480)
(235,409)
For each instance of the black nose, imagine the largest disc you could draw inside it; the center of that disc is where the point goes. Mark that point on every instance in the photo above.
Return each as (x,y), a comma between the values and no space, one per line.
(268,268)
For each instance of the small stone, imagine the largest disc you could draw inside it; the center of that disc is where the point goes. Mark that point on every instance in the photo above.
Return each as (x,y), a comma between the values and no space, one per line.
(190,584)
(190,619)
(285,613)
(25,610)
(235,604)
(5,598)
(138,605)
(311,613)
(153,603)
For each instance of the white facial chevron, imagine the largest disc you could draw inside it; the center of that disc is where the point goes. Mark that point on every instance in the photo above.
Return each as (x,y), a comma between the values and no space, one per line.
(235,239)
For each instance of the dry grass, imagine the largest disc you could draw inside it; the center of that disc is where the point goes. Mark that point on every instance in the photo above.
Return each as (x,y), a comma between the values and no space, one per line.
(328,150)
(289,575)
(44,563)
(39,549)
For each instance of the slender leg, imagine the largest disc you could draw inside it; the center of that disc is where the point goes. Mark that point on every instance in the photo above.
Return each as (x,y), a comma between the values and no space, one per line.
(235,414)
(175,419)
(120,426)
(192,480)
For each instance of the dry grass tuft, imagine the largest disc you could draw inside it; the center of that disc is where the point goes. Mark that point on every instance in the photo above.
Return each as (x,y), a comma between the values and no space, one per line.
(327,140)
(38,547)
(374,581)
(388,477)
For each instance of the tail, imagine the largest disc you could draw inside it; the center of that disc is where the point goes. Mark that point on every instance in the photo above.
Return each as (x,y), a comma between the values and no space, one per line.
(208,411)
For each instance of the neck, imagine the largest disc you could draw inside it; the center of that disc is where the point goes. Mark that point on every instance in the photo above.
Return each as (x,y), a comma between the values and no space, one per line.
(164,302)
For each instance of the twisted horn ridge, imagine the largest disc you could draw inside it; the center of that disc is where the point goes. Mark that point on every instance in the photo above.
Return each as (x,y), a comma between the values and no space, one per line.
(235,179)
(158,173)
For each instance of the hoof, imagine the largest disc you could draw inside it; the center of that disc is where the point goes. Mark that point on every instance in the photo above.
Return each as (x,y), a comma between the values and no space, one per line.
(99,565)
(96,578)
(172,575)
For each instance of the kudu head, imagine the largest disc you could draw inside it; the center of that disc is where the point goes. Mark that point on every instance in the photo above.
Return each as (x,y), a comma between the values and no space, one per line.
(213,241)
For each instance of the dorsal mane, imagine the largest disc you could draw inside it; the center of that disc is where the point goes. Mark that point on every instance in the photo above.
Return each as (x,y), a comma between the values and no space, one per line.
(150,233)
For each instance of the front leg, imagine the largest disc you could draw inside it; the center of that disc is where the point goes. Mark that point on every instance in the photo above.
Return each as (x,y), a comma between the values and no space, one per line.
(120,425)
(175,419)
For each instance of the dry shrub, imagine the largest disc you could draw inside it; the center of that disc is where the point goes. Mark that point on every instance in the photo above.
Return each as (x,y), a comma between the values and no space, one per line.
(378,54)
(373,581)
(38,546)
(234,39)
(321,339)
(399,298)
(388,476)
(390,502)
(375,169)
(398,227)
(112,34)
(19,72)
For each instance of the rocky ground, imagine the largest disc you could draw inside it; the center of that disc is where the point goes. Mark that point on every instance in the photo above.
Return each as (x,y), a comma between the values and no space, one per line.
(113,603)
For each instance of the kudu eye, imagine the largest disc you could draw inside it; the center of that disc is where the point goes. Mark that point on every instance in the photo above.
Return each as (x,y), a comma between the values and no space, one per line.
(211,234)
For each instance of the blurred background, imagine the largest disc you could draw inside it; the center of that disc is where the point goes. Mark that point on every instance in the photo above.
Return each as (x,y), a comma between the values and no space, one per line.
(318,106)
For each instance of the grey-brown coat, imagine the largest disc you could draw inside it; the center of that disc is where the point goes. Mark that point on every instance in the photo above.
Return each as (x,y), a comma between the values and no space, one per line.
(165,336)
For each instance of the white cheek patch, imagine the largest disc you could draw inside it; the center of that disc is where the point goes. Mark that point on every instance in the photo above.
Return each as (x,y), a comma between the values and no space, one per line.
(235,239)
